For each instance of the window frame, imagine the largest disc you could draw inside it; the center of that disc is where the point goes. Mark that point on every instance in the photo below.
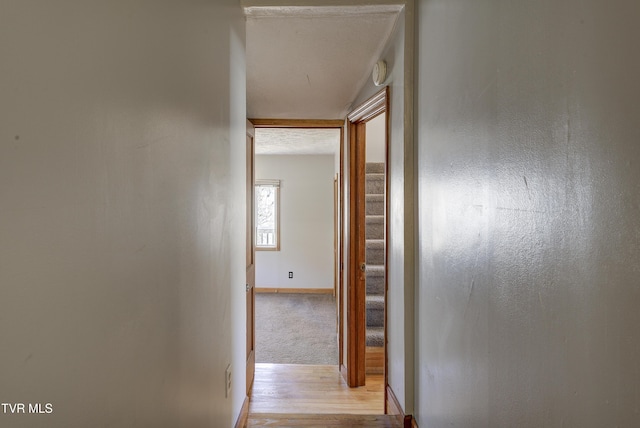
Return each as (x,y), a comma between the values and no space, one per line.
(276,185)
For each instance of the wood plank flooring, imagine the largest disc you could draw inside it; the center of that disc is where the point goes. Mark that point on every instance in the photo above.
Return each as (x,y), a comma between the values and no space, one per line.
(294,395)
(304,388)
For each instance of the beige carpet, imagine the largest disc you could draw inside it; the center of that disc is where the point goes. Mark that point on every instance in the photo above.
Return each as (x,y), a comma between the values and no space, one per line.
(296,329)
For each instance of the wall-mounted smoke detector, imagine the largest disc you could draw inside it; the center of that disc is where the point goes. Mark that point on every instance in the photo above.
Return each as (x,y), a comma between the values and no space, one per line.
(379,72)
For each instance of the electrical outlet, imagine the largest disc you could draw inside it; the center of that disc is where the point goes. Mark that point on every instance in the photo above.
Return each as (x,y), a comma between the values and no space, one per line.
(290,274)
(227,377)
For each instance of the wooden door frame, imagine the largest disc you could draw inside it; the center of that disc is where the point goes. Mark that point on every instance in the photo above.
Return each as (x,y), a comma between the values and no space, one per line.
(356,288)
(336,233)
(250,258)
(323,124)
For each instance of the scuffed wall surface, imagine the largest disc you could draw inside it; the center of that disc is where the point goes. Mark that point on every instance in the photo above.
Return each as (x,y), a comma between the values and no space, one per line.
(117,211)
(528,214)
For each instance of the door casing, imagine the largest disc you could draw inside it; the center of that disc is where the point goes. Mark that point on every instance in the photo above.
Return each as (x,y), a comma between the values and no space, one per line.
(325,124)
(356,248)
(250,257)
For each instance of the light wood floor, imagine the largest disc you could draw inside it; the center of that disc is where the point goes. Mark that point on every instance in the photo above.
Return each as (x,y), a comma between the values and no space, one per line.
(304,388)
(294,395)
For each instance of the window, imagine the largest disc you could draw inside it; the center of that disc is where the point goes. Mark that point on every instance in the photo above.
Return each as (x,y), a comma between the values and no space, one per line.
(267,215)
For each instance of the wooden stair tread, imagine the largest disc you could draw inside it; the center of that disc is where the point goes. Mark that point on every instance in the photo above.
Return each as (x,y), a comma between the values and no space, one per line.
(324,420)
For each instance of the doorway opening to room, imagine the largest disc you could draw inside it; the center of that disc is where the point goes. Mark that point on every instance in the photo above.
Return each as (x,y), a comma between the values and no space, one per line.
(298,167)
(368,234)
(296,245)
(376,231)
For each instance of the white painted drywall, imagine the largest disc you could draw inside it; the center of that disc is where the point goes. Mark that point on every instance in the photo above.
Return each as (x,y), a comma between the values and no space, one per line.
(306,222)
(121,202)
(529,209)
(375,131)
(400,249)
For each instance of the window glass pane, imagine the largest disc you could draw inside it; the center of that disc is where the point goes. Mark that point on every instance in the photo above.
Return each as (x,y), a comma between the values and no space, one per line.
(266,216)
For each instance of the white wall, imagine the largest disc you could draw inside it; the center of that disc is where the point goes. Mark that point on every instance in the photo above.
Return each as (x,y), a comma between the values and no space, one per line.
(529,214)
(400,243)
(306,222)
(376,136)
(121,160)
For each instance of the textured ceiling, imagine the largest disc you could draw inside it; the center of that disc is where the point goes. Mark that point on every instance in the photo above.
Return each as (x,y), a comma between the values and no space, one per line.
(287,141)
(310,62)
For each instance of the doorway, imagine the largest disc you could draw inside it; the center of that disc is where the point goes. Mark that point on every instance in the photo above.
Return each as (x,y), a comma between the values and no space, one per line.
(367,255)
(375,242)
(296,164)
(300,377)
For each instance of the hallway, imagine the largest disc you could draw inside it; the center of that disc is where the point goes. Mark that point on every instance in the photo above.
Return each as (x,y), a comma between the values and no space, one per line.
(513,258)
(310,395)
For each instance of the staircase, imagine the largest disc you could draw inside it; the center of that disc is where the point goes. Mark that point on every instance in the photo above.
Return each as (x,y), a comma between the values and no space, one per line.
(375,254)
